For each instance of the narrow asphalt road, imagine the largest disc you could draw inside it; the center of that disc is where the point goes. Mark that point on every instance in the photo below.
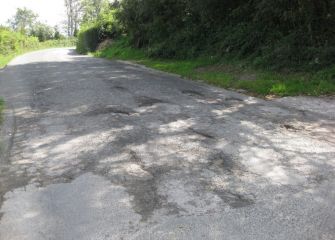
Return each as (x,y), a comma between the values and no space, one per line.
(109,150)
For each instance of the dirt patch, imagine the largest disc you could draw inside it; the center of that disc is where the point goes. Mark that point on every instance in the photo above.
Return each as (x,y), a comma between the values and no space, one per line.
(105,44)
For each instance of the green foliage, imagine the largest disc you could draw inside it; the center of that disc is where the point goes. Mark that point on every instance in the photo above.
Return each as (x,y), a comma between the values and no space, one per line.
(88,38)
(14,43)
(122,50)
(92,9)
(230,74)
(65,42)
(42,31)
(268,36)
(23,20)
(57,35)
(277,33)
(93,33)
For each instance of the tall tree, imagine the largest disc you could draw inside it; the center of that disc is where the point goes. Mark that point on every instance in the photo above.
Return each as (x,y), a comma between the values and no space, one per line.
(23,20)
(42,31)
(92,9)
(73,12)
(57,34)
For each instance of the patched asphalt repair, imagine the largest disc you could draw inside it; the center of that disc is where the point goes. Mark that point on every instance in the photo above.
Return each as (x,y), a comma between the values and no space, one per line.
(98,149)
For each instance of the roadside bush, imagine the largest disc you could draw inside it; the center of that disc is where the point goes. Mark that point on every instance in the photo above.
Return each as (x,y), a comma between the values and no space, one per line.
(66,42)
(12,42)
(42,31)
(93,33)
(276,33)
(88,38)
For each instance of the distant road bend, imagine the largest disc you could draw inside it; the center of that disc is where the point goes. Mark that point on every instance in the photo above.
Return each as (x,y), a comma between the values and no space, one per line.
(102,149)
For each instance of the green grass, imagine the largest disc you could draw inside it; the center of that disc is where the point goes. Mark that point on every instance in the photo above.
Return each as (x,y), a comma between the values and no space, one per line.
(5,59)
(231,74)
(274,83)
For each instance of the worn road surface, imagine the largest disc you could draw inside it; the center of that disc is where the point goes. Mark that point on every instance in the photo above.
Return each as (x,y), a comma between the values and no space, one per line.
(96,149)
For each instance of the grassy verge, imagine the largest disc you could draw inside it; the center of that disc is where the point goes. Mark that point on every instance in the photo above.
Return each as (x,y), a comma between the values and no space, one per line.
(5,59)
(231,74)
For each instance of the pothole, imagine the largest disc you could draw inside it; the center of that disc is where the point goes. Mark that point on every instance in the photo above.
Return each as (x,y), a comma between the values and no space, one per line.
(292,128)
(192,93)
(233,199)
(146,197)
(233,99)
(317,179)
(110,109)
(225,162)
(202,133)
(119,88)
(147,101)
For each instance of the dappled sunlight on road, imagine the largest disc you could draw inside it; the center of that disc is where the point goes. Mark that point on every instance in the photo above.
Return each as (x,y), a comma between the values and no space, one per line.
(112,146)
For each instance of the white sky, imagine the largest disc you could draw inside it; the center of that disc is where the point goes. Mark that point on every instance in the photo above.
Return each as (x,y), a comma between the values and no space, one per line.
(51,12)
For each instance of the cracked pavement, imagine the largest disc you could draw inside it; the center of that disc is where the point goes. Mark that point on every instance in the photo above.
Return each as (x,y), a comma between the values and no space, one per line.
(98,149)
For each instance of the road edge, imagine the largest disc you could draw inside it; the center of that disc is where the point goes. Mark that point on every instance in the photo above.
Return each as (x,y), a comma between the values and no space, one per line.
(7,133)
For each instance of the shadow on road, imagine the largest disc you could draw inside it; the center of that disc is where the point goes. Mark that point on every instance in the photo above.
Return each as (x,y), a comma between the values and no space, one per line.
(175,146)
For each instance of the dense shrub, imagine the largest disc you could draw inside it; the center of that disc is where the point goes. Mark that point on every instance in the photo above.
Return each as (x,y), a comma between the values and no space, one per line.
(13,42)
(66,42)
(93,33)
(42,31)
(88,38)
(282,33)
